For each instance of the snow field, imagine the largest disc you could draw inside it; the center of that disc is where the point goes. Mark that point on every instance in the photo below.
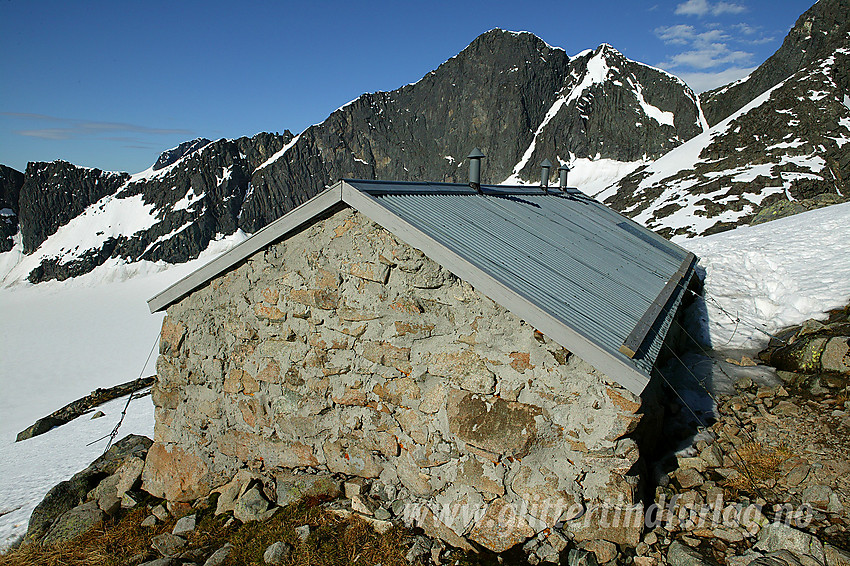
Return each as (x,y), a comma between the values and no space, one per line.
(774,275)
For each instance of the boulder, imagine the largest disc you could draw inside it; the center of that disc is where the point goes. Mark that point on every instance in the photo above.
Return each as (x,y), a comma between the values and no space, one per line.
(252,506)
(778,536)
(106,495)
(68,494)
(277,553)
(184,525)
(73,523)
(168,545)
(290,487)
(218,557)
(229,493)
(680,555)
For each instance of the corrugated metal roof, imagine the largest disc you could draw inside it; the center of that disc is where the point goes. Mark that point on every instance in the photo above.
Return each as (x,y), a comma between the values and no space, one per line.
(588,277)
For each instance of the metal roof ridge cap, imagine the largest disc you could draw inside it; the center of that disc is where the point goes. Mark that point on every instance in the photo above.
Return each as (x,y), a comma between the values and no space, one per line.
(249,246)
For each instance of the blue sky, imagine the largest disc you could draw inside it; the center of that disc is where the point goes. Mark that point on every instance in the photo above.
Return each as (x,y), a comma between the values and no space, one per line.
(112,84)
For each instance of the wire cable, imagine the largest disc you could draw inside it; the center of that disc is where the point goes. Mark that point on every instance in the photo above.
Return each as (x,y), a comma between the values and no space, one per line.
(137,395)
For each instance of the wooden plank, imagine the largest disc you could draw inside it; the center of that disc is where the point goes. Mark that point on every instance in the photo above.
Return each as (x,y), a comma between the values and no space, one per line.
(618,369)
(278,229)
(638,334)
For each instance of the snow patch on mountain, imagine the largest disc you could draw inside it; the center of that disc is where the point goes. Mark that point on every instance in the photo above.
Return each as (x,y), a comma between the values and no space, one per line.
(514,179)
(282,151)
(596,73)
(188,201)
(653,112)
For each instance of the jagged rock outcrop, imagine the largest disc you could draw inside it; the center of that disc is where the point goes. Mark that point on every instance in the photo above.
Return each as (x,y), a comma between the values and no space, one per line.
(11,181)
(67,495)
(511,94)
(821,30)
(784,151)
(169,156)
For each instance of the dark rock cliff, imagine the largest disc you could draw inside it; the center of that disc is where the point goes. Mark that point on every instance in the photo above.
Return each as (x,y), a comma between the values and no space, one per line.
(11,181)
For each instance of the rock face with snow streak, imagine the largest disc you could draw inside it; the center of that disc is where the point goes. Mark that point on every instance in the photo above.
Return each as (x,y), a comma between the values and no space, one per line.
(11,181)
(817,34)
(784,151)
(615,108)
(510,94)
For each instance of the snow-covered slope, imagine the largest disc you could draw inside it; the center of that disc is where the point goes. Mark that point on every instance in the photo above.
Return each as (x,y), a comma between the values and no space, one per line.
(774,275)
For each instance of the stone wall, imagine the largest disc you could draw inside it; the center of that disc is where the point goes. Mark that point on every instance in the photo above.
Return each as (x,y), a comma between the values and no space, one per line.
(344,349)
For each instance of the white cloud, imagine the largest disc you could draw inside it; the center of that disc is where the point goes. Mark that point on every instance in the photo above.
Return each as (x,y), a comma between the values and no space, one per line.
(707,57)
(68,128)
(701,82)
(707,49)
(683,35)
(701,8)
(677,35)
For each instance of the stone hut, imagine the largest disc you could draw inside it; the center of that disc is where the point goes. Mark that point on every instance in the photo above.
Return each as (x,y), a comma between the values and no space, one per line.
(478,352)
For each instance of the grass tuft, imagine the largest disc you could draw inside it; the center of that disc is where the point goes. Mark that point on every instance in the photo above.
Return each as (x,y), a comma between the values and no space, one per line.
(333,540)
(758,466)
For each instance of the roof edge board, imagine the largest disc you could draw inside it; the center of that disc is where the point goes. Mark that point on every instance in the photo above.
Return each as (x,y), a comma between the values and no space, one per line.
(617,369)
(290,221)
(638,335)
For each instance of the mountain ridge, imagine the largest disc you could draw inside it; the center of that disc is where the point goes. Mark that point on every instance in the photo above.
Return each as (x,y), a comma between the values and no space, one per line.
(511,94)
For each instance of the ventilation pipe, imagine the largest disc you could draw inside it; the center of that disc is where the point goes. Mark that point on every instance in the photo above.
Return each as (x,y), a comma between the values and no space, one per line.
(562,172)
(475,158)
(544,174)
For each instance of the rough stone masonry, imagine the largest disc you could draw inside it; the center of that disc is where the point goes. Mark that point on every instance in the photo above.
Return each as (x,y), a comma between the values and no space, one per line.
(346,350)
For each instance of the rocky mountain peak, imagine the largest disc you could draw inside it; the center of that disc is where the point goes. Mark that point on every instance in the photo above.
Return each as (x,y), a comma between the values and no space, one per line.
(170,156)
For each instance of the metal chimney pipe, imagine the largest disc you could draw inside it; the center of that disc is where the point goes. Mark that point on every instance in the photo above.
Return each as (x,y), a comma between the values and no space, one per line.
(475,158)
(544,175)
(562,171)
